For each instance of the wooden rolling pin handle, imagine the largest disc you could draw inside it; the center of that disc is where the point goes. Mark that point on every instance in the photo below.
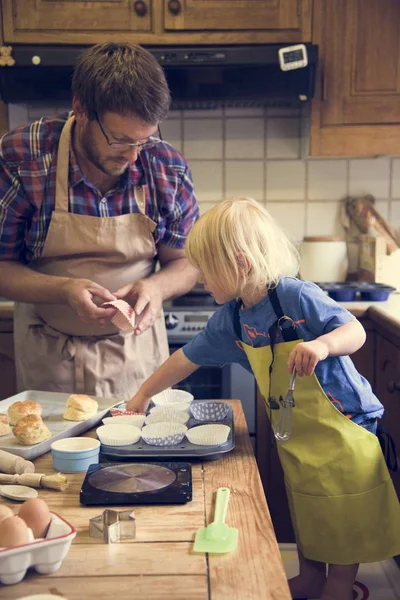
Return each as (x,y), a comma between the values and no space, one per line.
(15,465)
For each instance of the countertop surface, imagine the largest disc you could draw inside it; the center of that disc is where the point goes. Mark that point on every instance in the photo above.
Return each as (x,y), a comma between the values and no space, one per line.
(160,563)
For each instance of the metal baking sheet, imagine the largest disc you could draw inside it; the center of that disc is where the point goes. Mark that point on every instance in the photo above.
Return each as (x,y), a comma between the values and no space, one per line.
(184,450)
(53,406)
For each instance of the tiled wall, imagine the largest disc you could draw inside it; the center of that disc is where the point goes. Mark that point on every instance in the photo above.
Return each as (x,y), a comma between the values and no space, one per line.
(263,153)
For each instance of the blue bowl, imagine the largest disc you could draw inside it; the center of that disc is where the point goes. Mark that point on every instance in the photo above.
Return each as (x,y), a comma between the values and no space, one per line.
(75,455)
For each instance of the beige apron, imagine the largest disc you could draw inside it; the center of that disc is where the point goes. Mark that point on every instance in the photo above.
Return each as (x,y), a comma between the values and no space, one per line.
(55,349)
(342,501)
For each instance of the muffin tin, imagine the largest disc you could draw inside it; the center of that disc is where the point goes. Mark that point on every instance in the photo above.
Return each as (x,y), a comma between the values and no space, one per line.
(363,291)
(183,450)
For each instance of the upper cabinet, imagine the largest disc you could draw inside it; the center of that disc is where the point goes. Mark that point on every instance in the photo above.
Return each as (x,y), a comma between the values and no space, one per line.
(276,16)
(156,21)
(357,107)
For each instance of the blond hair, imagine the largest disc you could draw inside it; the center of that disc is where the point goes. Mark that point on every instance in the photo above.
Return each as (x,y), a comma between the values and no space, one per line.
(238,244)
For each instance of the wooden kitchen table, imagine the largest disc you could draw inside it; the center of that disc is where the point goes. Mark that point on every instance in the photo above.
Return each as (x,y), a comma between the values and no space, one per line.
(160,564)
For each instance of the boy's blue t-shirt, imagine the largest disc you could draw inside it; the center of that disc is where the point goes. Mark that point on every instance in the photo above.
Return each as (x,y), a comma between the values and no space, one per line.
(315,314)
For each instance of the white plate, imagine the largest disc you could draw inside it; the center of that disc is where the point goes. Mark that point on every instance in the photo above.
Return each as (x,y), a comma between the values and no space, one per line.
(53,406)
(18,492)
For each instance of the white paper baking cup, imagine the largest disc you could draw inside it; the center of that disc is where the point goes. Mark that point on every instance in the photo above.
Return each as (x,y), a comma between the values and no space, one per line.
(171,416)
(171,396)
(208,435)
(136,420)
(164,434)
(118,435)
(171,407)
(209,411)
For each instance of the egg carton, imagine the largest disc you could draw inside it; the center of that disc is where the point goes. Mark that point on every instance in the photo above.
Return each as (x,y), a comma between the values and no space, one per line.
(44,555)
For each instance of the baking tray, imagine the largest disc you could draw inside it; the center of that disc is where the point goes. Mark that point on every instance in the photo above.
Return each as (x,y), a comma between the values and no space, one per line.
(184,450)
(53,406)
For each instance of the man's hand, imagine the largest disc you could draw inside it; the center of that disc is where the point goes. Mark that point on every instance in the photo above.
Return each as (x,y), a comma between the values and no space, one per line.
(146,299)
(80,295)
(306,355)
(138,403)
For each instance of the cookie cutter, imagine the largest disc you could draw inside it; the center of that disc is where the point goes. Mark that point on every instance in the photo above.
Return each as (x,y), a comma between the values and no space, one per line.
(113,526)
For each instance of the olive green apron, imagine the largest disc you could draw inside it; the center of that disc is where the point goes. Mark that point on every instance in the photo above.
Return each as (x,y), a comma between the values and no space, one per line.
(342,501)
(55,349)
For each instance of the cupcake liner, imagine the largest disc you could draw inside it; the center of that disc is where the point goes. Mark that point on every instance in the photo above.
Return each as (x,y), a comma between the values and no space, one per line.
(121,411)
(136,420)
(125,317)
(208,435)
(172,396)
(118,435)
(171,416)
(209,411)
(164,434)
(171,407)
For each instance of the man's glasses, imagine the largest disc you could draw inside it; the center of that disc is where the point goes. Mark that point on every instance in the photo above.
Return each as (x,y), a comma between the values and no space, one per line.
(151,141)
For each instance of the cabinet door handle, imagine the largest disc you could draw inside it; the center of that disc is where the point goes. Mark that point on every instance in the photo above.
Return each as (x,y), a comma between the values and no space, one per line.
(174,7)
(140,8)
(393,386)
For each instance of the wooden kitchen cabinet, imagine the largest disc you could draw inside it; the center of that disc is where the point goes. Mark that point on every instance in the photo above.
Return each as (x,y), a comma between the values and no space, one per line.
(224,15)
(8,386)
(156,21)
(356,110)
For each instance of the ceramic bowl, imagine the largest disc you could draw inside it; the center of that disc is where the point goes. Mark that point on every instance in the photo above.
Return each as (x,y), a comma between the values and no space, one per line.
(75,454)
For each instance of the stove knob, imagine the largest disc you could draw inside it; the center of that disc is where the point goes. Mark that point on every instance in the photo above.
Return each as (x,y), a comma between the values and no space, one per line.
(171,321)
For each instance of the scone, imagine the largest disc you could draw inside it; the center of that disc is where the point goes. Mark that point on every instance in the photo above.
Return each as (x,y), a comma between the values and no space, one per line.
(5,428)
(18,410)
(31,430)
(80,407)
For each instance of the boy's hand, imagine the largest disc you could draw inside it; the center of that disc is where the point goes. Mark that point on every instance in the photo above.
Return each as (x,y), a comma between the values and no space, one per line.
(138,403)
(306,355)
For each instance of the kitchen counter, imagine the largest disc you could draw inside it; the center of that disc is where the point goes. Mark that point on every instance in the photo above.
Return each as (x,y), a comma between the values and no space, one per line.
(160,563)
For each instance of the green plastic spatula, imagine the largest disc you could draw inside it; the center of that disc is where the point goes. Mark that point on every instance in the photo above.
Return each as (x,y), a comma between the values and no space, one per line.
(217,537)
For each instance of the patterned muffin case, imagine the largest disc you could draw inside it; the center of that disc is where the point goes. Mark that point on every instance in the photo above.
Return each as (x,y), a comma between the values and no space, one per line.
(183,449)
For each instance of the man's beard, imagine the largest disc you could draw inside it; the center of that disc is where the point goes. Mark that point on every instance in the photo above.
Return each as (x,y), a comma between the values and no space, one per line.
(103,164)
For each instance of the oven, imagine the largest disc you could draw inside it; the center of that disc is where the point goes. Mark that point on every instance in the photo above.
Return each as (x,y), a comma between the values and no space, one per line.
(183,319)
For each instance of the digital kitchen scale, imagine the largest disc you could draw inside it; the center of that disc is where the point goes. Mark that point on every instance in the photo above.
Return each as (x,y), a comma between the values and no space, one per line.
(137,483)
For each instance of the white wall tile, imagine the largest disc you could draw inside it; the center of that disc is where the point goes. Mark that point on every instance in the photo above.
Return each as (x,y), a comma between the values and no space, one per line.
(244,138)
(202,138)
(383,208)
(396,178)
(175,114)
(395,215)
(283,111)
(323,218)
(17,115)
(370,176)
(283,138)
(207,179)
(327,179)
(244,112)
(244,179)
(171,130)
(205,206)
(205,113)
(285,180)
(291,217)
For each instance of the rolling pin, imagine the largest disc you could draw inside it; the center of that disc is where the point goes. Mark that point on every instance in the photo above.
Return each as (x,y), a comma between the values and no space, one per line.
(14,465)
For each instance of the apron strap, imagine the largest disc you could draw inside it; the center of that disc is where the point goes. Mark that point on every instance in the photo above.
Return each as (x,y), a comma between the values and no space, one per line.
(62,179)
(286,325)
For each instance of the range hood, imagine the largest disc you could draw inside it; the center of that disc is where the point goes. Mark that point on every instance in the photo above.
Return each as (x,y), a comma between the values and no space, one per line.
(198,76)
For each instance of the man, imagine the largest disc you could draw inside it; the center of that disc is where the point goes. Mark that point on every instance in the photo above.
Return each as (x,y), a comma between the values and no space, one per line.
(89,202)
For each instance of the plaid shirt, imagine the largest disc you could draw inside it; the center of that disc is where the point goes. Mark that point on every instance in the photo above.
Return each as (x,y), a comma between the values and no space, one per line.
(28,162)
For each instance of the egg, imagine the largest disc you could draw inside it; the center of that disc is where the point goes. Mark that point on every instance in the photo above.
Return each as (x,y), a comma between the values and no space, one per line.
(36,515)
(13,532)
(5,512)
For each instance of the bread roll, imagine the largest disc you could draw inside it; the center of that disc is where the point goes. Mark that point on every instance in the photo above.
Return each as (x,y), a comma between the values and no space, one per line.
(80,407)
(18,410)
(31,430)
(5,428)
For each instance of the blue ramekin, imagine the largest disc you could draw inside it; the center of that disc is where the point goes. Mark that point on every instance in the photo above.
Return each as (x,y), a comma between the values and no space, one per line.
(74,455)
